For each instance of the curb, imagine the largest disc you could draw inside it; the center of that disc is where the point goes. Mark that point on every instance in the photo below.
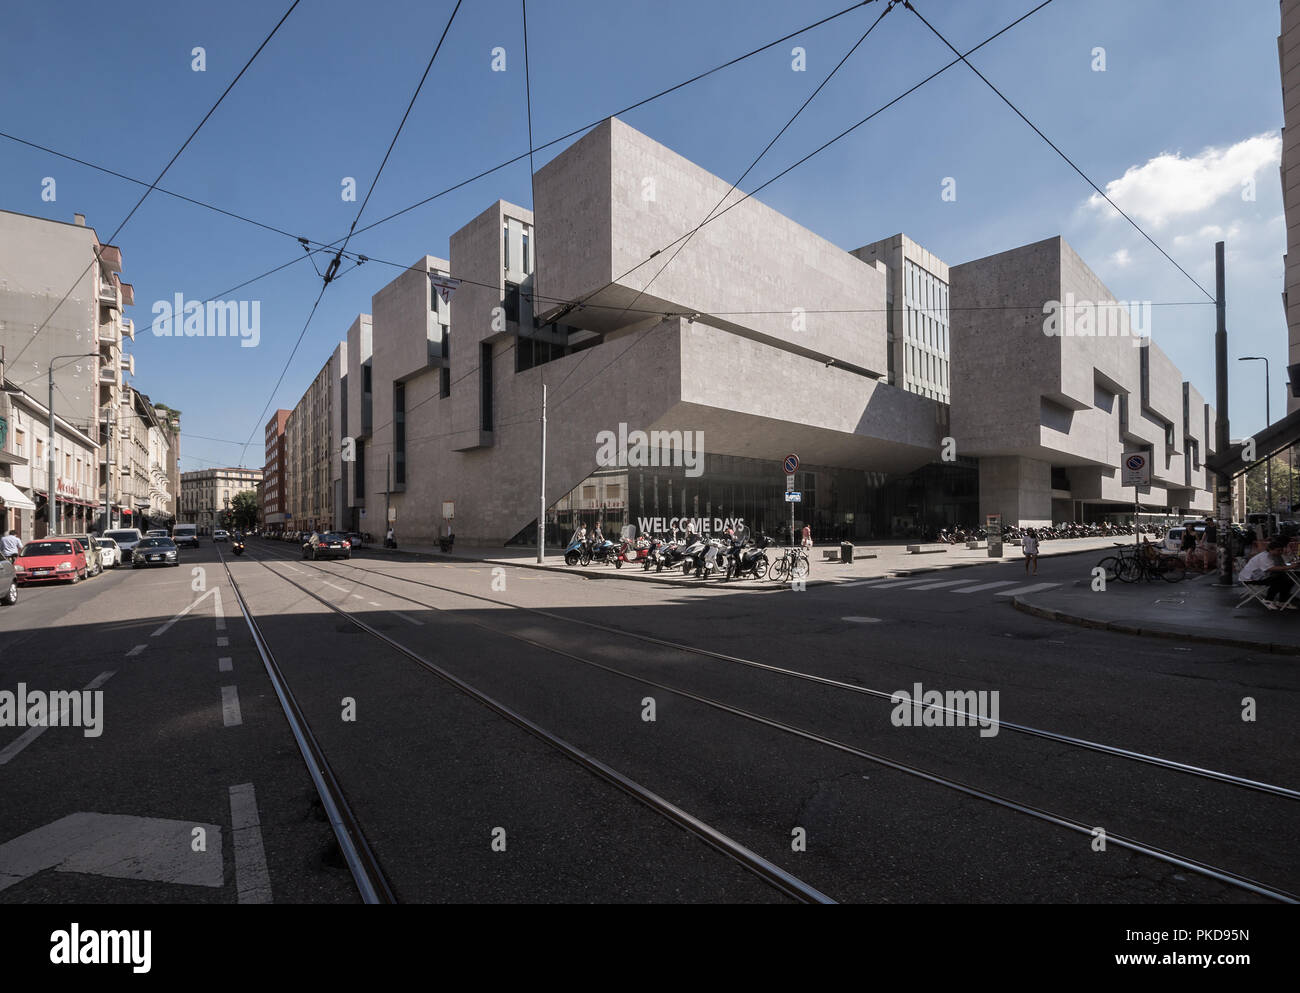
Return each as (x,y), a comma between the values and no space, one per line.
(1051,614)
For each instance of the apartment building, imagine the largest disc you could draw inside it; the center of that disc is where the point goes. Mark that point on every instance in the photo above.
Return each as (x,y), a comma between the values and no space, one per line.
(311,458)
(272,504)
(206,495)
(1288,57)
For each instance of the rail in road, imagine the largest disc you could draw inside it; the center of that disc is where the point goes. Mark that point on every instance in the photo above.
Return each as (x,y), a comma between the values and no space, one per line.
(372,579)
(360,858)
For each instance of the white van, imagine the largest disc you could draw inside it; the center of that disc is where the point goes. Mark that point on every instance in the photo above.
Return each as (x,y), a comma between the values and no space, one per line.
(127,539)
(186,534)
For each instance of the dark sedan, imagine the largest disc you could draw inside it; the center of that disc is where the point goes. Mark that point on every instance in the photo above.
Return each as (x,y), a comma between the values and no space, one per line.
(330,545)
(155,551)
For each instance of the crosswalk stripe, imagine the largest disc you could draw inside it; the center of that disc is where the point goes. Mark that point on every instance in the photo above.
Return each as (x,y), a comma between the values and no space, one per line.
(986,586)
(1036,588)
(902,583)
(946,582)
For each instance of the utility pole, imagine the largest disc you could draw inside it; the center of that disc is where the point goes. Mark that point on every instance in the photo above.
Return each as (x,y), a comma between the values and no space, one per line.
(541,509)
(1222,492)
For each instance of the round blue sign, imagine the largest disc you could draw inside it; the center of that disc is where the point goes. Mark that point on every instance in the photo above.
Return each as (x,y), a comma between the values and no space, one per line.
(791,463)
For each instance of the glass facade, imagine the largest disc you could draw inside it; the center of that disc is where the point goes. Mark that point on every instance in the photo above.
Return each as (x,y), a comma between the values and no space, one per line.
(838,504)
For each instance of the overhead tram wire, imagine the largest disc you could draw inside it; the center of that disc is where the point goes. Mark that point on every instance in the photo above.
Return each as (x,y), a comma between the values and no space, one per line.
(581,302)
(767,148)
(487,172)
(113,237)
(1070,162)
(332,272)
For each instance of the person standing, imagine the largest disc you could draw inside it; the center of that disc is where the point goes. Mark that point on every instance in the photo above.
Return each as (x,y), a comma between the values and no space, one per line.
(390,541)
(10,546)
(1029,545)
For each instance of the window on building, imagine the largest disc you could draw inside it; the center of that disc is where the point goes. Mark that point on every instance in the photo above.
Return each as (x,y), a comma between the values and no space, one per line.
(20,442)
(505,245)
(485,386)
(512,302)
(399,434)
(525,253)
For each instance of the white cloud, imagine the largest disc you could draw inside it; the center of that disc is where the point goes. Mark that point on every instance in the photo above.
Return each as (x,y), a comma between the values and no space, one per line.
(1121,258)
(1170,186)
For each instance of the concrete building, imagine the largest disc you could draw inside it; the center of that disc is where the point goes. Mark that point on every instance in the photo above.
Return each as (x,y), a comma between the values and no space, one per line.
(206,495)
(311,457)
(272,504)
(916,293)
(1288,57)
(759,341)
(1053,381)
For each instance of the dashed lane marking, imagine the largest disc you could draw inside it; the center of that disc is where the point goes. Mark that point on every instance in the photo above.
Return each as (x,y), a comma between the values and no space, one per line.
(230,706)
(225,663)
(31,734)
(1035,588)
(252,880)
(136,650)
(986,586)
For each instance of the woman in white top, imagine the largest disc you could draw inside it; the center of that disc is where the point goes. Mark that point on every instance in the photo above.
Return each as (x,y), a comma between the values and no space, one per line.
(1029,545)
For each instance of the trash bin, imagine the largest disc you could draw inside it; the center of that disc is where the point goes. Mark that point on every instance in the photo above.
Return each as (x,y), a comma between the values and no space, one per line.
(846,551)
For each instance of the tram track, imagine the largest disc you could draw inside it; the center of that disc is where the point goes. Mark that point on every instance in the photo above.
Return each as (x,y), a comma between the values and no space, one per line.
(1205,869)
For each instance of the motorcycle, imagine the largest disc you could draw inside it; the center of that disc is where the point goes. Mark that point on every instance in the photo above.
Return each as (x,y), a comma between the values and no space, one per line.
(577,552)
(748,559)
(693,554)
(237,546)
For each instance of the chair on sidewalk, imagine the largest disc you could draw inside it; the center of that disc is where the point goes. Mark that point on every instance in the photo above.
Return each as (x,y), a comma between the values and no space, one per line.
(1258,591)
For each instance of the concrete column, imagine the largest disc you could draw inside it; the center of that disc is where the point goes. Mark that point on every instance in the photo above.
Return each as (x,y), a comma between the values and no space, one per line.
(1018,488)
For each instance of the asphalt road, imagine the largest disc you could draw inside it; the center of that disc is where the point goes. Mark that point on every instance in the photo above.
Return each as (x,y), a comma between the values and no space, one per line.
(434,776)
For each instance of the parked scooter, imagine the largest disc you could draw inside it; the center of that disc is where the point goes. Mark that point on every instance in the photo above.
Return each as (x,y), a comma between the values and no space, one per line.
(578,552)
(748,559)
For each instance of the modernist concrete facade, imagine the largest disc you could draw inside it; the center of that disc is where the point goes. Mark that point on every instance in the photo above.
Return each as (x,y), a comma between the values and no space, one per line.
(1288,57)
(761,339)
(918,323)
(1052,382)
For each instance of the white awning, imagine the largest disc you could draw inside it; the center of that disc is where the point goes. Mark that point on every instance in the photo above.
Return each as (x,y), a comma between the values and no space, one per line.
(11,496)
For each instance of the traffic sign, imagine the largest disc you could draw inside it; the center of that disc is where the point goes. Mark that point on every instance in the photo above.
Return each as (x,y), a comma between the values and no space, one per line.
(1135,469)
(791,462)
(789,481)
(792,496)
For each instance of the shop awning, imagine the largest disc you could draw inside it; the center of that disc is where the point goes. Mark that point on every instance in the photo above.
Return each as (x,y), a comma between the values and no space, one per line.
(11,496)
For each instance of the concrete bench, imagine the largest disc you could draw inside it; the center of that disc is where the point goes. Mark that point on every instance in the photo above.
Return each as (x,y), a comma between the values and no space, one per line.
(926,549)
(977,544)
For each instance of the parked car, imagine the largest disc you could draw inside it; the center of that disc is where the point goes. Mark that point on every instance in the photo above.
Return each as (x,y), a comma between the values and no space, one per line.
(110,556)
(50,560)
(330,544)
(155,551)
(156,533)
(89,549)
(186,534)
(8,585)
(127,539)
(220,535)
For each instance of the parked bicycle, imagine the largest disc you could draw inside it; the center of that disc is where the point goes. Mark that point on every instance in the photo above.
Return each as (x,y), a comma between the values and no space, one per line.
(793,564)
(1131,564)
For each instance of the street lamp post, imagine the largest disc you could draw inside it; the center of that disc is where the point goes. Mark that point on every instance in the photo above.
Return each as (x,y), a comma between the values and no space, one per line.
(1268,419)
(52,499)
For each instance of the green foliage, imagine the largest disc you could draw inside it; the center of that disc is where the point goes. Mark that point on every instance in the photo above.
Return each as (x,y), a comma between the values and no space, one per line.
(1286,486)
(243,511)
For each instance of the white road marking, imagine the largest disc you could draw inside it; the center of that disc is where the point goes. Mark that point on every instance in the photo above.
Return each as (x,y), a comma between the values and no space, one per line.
(292,568)
(116,845)
(252,880)
(31,734)
(334,586)
(216,606)
(986,586)
(357,596)
(225,663)
(230,706)
(136,650)
(866,582)
(223,642)
(163,629)
(371,602)
(946,582)
(1036,588)
(409,620)
(902,583)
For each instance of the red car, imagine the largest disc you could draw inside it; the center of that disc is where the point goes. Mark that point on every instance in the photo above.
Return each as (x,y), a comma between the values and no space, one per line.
(50,560)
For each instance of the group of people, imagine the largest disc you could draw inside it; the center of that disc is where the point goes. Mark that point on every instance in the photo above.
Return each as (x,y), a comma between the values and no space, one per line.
(1273,567)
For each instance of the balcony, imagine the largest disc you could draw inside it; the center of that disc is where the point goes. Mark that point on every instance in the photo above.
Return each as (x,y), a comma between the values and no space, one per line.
(108,333)
(108,294)
(107,374)
(128,364)
(128,295)
(111,256)
(128,328)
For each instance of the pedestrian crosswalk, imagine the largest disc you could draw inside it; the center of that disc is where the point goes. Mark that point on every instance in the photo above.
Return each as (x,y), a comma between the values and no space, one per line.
(999,588)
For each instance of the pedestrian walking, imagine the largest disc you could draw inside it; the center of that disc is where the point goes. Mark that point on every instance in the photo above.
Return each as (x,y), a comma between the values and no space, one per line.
(389,540)
(1029,545)
(10,546)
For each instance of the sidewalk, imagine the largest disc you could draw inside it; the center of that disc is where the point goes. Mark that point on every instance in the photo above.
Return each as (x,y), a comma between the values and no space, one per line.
(884,558)
(1196,610)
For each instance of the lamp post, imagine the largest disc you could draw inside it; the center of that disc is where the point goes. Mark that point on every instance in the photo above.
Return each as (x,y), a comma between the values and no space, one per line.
(1268,419)
(52,499)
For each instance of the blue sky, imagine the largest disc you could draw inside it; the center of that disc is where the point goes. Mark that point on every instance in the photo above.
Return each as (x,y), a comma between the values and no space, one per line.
(1186,111)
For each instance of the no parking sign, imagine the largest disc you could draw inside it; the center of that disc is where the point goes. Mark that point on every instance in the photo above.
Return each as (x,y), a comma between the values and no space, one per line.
(1135,469)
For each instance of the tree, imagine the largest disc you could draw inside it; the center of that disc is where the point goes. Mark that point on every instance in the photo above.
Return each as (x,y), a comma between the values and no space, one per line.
(1286,483)
(243,510)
